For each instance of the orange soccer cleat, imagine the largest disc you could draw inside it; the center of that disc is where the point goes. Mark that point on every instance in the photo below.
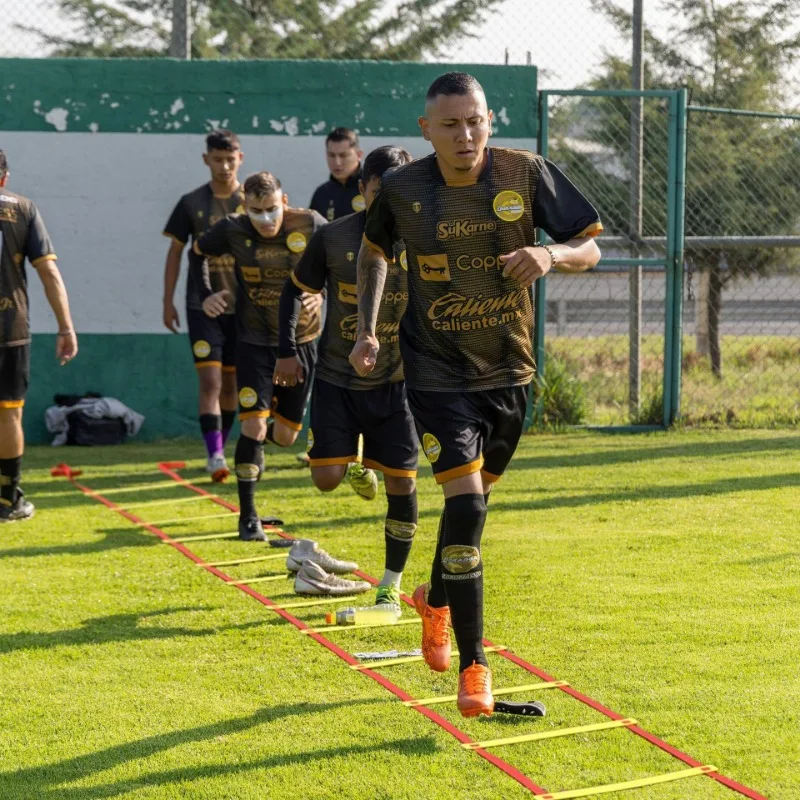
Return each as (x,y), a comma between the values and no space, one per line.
(475,691)
(435,630)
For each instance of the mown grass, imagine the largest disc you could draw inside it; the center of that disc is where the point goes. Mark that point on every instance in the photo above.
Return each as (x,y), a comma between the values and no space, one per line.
(659,574)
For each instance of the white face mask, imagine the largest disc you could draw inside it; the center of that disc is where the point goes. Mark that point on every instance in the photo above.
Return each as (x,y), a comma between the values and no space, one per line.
(265,217)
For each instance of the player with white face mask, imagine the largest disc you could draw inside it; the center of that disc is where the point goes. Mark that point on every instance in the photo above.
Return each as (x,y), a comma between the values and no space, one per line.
(266,243)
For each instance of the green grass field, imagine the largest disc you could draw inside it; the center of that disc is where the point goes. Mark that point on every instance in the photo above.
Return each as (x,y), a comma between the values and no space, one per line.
(658,574)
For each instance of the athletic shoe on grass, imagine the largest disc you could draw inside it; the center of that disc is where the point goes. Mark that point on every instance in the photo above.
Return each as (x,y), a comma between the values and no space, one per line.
(389,595)
(363,481)
(312,579)
(217,467)
(435,630)
(250,529)
(18,511)
(308,550)
(475,691)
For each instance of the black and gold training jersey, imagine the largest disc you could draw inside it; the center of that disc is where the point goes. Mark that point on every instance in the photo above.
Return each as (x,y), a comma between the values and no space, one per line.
(194,214)
(262,267)
(466,327)
(331,258)
(22,235)
(334,200)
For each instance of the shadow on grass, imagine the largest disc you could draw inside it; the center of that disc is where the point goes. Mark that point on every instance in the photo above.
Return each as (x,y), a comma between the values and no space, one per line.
(48,781)
(113,539)
(115,628)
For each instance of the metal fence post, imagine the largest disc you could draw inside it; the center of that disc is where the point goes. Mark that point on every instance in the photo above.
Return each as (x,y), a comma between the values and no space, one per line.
(180,45)
(669,302)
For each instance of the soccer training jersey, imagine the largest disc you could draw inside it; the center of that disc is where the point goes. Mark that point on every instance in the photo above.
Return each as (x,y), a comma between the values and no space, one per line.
(194,214)
(262,267)
(466,327)
(22,235)
(331,258)
(333,199)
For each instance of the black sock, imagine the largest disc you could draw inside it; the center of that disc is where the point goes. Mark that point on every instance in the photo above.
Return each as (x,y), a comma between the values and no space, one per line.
(228,418)
(10,469)
(210,422)
(462,573)
(401,525)
(249,457)
(437,597)
(486,498)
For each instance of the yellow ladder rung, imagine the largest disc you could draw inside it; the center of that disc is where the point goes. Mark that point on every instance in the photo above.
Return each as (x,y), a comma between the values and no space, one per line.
(235,561)
(329,628)
(620,787)
(139,487)
(451,698)
(259,579)
(205,537)
(309,603)
(174,501)
(532,737)
(390,662)
(182,520)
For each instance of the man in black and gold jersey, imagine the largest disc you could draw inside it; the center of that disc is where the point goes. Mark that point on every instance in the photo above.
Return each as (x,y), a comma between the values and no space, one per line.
(22,235)
(468,215)
(213,341)
(340,195)
(266,243)
(346,405)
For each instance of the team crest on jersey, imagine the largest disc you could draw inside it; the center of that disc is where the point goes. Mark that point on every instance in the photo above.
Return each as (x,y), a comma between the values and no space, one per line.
(404,260)
(350,255)
(200,215)
(247,397)
(310,440)
(296,242)
(508,205)
(359,203)
(331,214)
(248,242)
(416,206)
(348,293)
(434,268)
(6,303)
(431,447)
(201,348)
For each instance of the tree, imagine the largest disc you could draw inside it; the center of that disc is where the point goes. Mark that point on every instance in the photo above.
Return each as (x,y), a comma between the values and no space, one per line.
(743,174)
(334,29)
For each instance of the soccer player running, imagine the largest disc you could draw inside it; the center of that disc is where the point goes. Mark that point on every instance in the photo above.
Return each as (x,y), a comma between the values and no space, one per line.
(22,235)
(341,194)
(345,404)
(213,341)
(468,215)
(266,243)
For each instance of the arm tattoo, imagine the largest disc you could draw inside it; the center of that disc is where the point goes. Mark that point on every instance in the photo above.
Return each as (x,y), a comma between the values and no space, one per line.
(371,277)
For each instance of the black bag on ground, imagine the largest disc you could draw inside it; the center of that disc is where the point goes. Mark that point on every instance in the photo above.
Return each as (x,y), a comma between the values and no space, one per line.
(89,432)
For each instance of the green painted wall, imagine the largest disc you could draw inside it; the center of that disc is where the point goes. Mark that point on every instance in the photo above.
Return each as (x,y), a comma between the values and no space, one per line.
(269,97)
(151,373)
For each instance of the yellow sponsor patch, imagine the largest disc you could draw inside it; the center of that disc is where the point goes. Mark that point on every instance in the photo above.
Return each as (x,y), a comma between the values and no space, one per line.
(460,558)
(404,260)
(348,293)
(509,206)
(296,242)
(251,274)
(310,443)
(359,203)
(431,447)
(434,268)
(247,397)
(201,348)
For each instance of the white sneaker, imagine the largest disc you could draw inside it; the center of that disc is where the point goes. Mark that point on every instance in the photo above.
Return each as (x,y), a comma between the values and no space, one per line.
(363,481)
(304,550)
(312,579)
(217,466)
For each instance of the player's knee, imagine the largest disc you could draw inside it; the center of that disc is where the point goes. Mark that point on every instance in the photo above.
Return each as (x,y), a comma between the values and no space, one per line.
(11,417)
(255,428)
(326,479)
(210,381)
(396,485)
(283,435)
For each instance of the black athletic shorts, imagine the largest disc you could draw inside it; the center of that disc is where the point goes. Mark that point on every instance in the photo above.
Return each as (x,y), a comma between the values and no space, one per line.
(213,340)
(15,373)
(381,415)
(463,432)
(260,397)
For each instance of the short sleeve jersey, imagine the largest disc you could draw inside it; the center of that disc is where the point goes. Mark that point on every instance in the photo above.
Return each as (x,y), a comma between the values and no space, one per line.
(262,266)
(466,327)
(330,260)
(194,214)
(22,235)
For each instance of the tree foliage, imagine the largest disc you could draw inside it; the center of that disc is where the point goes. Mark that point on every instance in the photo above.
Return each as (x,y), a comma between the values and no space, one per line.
(333,29)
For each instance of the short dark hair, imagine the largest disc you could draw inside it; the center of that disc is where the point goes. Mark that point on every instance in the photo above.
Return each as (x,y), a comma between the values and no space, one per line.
(260,184)
(451,83)
(343,135)
(222,139)
(3,164)
(382,159)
